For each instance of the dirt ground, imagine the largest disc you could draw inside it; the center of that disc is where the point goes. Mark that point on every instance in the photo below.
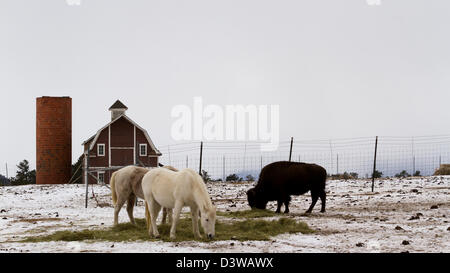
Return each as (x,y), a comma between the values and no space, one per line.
(401,215)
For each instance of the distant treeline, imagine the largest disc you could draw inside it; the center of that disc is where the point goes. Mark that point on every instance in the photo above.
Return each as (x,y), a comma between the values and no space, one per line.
(23,176)
(4,181)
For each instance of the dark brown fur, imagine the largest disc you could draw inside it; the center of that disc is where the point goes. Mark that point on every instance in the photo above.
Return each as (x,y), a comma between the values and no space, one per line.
(279,180)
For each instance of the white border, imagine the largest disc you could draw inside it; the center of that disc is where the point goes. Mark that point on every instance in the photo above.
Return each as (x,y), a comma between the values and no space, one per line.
(98,177)
(141,145)
(98,149)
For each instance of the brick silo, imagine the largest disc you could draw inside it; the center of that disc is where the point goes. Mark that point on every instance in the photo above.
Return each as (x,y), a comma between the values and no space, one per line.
(53,140)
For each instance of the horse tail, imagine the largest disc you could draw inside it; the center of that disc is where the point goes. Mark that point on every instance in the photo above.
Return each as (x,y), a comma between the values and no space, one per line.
(147,214)
(112,183)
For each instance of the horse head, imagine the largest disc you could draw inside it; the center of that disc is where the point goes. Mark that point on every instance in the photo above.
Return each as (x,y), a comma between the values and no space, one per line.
(208,221)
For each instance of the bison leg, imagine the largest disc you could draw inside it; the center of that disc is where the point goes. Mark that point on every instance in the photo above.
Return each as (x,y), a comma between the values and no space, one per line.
(279,203)
(286,206)
(323,200)
(314,197)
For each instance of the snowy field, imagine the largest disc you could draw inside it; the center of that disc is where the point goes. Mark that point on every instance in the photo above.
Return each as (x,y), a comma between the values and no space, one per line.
(401,215)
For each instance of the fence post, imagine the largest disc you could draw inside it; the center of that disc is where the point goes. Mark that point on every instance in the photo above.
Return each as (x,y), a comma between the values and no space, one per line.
(245,153)
(187,161)
(223,169)
(201,154)
(87,177)
(337,163)
(290,150)
(413,156)
(7,176)
(374,162)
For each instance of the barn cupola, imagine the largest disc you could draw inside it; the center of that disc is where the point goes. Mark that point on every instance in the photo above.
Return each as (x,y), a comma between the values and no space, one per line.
(117,109)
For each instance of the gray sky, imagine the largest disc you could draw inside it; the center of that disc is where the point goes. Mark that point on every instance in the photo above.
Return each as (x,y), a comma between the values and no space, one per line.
(337,68)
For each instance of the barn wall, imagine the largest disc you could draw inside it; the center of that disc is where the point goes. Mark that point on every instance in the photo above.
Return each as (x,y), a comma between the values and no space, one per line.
(149,161)
(94,181)
(122,157)
(122,133)
(100,161)
(122,143)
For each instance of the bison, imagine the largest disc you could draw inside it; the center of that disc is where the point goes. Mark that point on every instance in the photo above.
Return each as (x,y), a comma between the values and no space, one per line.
(279,180)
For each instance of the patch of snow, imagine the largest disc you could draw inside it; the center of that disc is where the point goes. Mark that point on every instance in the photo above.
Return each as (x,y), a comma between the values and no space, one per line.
(356,220)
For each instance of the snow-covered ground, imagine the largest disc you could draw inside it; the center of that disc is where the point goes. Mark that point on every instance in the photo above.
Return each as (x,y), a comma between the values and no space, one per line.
(401,215)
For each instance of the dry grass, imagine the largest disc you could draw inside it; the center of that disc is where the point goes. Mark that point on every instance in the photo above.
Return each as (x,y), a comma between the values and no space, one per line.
(248,229)
(444,169)
(253,213)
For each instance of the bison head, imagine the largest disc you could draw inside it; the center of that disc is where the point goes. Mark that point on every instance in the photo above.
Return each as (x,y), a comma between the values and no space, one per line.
(255,200)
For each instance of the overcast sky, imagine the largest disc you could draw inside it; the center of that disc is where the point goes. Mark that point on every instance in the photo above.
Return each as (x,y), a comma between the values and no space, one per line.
(337,68)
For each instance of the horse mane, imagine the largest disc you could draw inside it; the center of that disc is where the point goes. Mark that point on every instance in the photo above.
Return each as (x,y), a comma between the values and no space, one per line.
(170,168)
(202,195)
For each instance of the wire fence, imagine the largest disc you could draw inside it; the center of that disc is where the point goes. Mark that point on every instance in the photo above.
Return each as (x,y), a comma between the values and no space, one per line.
(352,155)
(6,170)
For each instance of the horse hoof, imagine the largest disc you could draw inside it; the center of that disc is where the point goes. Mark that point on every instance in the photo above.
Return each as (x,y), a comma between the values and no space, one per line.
(322,211)
(308,212)
(277,211)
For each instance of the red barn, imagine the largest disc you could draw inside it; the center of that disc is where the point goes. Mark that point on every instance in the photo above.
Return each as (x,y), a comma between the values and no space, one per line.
(117,144)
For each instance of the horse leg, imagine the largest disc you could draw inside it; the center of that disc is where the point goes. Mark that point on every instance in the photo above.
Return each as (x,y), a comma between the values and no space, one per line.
(169,214)
(164,216)
(154,211)
(314,196)
(120,202)
(323,197)
(130,205)
(175,217)
(194,213)
(279,203)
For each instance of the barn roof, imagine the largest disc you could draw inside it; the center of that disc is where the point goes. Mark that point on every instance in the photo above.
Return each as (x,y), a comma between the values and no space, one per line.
(95,137)
(89,139)
(118,105)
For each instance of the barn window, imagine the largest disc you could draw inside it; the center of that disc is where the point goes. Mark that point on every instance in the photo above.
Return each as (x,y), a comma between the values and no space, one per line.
(101,177)
(142,149)
(100,149)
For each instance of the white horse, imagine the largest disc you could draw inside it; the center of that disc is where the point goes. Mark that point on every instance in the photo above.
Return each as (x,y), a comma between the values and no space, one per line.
(164,188)
(126,186)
